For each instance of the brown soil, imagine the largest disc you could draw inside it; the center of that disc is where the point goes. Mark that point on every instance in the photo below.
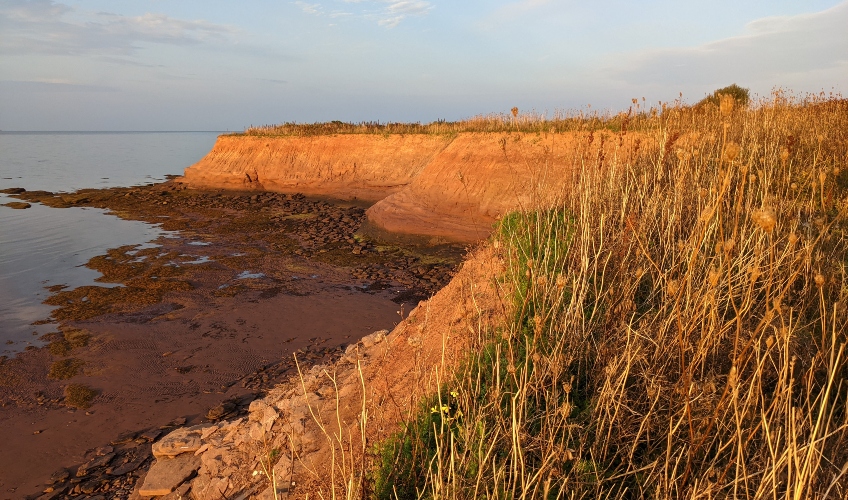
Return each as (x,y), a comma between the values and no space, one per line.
(202,324)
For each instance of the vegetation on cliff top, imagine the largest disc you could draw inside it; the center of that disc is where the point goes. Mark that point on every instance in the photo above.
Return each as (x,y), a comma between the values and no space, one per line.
(678,330)
(640,116)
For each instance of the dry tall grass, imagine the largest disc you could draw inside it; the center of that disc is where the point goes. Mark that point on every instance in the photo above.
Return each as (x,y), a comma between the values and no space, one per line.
(679,326)
(529,122)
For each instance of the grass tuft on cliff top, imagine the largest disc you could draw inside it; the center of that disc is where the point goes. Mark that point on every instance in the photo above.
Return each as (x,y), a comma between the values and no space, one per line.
(678,326)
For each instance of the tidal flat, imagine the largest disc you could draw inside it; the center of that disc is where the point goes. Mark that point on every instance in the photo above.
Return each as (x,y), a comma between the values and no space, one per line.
(195,327)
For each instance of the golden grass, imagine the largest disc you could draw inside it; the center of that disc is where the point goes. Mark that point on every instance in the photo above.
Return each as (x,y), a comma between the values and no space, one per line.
(679,325)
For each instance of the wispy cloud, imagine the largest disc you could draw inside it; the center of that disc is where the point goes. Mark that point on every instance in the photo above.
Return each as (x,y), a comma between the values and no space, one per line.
(43,26)
(775,49)
(310,8)
(386,13)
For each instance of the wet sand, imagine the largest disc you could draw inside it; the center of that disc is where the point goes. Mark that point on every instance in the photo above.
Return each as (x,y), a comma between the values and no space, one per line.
(205,321)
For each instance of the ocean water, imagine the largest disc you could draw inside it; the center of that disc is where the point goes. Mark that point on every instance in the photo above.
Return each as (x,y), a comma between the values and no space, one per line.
(41,246)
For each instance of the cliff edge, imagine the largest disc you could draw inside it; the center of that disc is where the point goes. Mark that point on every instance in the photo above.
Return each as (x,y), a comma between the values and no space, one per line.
(451,187)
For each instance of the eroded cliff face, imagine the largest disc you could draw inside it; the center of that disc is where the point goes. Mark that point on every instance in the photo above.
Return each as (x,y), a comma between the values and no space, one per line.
(311,437)
(451,188)
(343,166)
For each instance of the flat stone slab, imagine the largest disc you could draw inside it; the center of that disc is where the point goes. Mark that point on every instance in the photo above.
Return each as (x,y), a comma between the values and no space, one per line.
(185,440)
(167,474)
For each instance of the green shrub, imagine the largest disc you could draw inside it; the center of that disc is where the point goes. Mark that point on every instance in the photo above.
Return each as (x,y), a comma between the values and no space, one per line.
(740,94)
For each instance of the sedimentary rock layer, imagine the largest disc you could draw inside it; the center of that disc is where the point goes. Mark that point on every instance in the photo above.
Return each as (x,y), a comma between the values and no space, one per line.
(342,166)
(450,187)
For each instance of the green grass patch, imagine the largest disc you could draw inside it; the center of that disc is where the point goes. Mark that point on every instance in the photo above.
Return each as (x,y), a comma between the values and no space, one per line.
(65,369)
(79,396)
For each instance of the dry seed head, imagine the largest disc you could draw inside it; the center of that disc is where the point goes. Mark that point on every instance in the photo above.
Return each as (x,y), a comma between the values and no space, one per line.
(769,341)
(726,102)
(822,177)
(731,151)
(672,287)
(732,377)
(713,277)
(515,111)
(765,219)
(794,186)
(651,390)
(565,411)
(560,282)
(719,246)
(542,280)
(819,280)
(752,178)
(793,238)
(729,245)
(784,154)
(530,263)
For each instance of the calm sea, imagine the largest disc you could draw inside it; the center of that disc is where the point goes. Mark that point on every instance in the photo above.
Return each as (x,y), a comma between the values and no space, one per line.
(42,246)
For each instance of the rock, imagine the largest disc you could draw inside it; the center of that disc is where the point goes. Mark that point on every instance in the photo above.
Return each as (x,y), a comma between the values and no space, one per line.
(283,488)
(104,450)
(209,488)
(53,495)
(374,338)
(150,435)
(124,437)
(90,487)
(17,205)
(13,191)
(127,467)
(98,461)
(166,474)
(59,476)
(263,413)
(180,493)
(221,410)
(184,440)
(178,421)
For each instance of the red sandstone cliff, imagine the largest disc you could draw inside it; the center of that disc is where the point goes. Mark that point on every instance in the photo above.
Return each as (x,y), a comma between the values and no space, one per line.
(450,187)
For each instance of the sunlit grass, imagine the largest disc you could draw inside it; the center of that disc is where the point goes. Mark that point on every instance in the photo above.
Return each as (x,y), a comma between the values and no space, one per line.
(678,323)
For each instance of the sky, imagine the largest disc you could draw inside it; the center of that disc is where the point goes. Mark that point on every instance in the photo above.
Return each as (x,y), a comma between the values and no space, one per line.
(227,65)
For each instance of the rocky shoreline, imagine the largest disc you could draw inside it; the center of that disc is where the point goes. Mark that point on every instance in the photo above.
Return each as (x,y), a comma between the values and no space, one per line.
(229,248)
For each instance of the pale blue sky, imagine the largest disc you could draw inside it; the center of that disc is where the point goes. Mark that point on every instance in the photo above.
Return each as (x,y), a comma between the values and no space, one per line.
(217,65)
